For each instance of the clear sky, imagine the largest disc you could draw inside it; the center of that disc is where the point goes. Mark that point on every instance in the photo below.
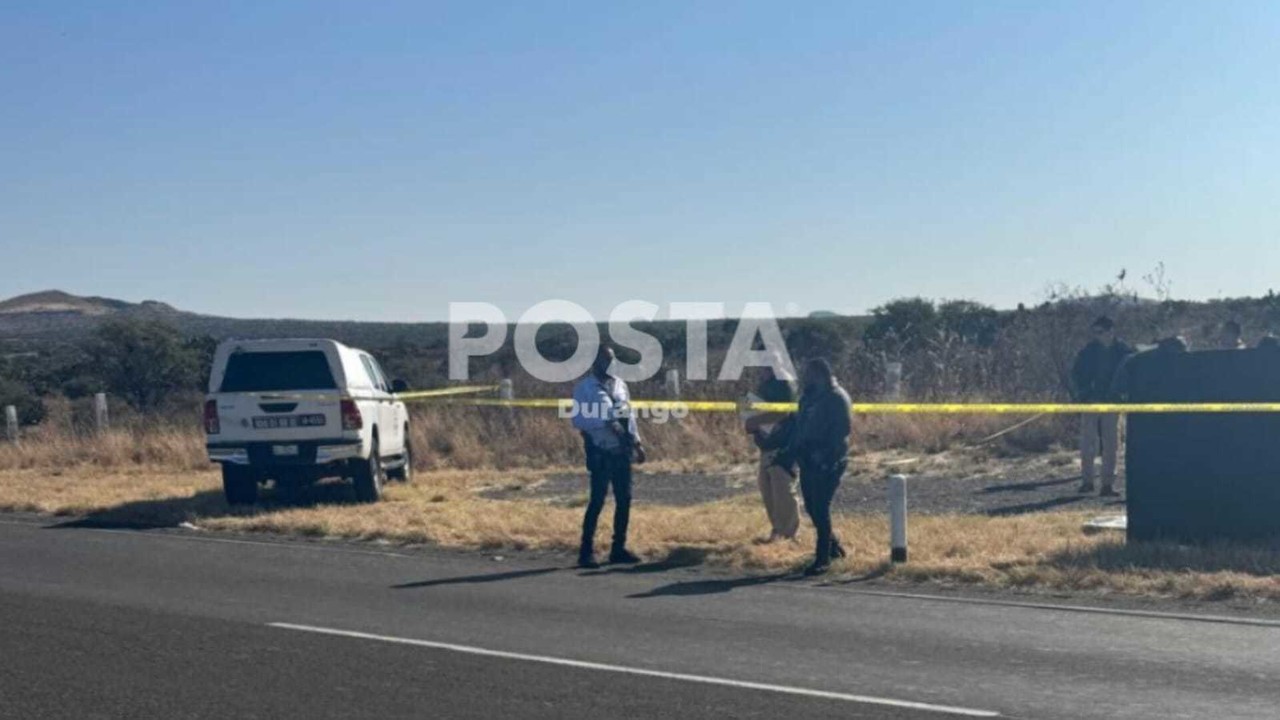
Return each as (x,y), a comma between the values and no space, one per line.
(378,160)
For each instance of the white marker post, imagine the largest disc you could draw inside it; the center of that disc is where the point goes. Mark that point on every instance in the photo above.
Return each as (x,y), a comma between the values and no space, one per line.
(506,390)
(673,383)
(11,423)
(101,420)
(893,381)
(898,518)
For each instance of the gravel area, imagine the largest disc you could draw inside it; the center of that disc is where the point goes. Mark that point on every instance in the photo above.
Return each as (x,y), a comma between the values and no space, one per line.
(963,482)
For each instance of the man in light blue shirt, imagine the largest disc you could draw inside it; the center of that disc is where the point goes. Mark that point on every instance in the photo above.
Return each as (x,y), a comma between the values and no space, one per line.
(602,413)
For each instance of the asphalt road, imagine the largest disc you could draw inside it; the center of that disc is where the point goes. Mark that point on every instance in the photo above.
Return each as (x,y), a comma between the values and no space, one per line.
(115,624)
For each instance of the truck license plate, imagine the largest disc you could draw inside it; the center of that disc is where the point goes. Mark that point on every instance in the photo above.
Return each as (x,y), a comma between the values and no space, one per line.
(288,421)
(284,450)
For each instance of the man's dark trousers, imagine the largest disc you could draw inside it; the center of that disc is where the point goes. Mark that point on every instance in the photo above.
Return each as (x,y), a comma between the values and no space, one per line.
(818,484)
(607,469)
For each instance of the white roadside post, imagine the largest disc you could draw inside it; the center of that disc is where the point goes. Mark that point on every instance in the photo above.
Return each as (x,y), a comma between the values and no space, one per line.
(898,518)
(101,420)
(506,390)
(673,383)
(893,381)
(11,423)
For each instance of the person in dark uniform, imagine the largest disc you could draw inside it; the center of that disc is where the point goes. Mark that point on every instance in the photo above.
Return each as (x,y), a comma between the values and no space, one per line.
(611,442)
(819,444)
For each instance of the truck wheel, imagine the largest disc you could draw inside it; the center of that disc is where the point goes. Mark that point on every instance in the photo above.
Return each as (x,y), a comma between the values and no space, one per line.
(368,477)
(239,485)
(404,473)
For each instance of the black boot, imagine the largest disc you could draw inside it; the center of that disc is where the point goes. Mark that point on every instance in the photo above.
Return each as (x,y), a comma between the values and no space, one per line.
(587,559)
(619,555)
(820,566)
(837,550)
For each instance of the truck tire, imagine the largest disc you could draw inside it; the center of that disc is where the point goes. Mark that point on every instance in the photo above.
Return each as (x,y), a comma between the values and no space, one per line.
(368,476)
(239,485)
(404,473)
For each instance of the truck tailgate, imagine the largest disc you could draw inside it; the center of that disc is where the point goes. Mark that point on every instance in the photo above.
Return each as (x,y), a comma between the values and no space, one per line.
(278,416)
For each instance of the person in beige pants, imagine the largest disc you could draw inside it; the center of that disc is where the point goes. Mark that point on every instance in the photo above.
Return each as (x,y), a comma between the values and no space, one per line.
(777,482)
(1099,434)
(1093,378)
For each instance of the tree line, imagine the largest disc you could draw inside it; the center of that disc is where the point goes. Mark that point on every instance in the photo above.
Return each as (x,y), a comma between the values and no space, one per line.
(957,349)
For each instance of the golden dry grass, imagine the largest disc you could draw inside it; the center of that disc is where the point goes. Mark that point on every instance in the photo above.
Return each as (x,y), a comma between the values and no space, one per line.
(1046,551)
(473,438)
(56,448)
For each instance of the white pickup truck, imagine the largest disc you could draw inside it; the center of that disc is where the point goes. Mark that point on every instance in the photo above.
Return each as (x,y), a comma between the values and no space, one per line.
(298,410)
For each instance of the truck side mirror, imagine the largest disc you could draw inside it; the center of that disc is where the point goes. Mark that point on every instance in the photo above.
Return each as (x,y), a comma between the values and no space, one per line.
(399,386)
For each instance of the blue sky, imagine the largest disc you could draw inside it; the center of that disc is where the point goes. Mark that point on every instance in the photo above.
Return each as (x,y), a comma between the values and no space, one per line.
(378,160)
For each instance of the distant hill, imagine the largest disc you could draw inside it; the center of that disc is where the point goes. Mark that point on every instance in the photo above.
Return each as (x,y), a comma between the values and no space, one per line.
(57,302)
(53,316)
(58,316)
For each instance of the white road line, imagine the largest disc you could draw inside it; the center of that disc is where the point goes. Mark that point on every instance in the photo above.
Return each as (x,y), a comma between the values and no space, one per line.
(584,665)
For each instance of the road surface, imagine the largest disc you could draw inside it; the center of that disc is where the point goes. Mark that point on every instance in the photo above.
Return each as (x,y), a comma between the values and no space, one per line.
(111,624)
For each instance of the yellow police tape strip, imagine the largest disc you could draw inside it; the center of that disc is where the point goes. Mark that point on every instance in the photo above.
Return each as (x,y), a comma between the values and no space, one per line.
(1064,408)
(443,392)
(896,408)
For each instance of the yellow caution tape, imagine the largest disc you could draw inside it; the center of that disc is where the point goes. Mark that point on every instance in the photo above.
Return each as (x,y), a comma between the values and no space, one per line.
(891,408)
(494,402)
(1063,408)
(443,392)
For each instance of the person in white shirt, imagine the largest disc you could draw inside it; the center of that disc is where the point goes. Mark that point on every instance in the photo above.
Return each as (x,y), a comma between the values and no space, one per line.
(611,442)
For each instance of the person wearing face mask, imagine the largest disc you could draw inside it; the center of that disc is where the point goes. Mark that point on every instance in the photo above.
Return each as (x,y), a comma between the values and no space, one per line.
(611,442)
(819,445)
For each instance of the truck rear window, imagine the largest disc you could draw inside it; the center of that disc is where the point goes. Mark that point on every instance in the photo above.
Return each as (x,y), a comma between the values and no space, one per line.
(269,371)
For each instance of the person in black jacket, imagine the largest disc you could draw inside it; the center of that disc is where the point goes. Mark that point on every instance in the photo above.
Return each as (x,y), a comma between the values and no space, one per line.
(818,441)
(1092,378)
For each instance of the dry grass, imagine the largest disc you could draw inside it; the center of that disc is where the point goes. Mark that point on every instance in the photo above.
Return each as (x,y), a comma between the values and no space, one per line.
(147,474)
(1047,551)
(53,448)
(455,437)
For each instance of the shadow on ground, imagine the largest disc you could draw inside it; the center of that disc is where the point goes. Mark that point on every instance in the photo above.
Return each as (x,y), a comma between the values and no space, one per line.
(683,556)
(874,574)
(1028,486)
(1261,560)
(1040,506)
(680,557)
(717,586)
(477,579)
(171,512)
(710,587)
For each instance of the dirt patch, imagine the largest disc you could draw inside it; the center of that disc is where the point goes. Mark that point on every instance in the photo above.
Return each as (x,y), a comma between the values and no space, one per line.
(670,489)
(955,482)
